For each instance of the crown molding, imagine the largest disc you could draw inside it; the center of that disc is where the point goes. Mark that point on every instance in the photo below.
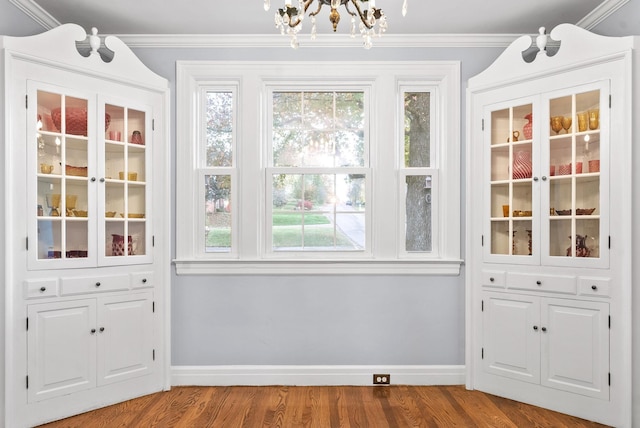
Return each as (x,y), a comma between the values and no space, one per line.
(600,13)
(324,41)
(35,12)
(48,22)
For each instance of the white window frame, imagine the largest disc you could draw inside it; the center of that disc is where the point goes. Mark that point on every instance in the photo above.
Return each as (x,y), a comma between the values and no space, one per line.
(272,86)
(385,245)
(431,170)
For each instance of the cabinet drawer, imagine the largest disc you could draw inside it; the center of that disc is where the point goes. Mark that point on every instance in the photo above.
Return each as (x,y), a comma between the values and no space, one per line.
(592,286)
(142,280)
(493,278)
(92,284)
(548,283)
(35,288)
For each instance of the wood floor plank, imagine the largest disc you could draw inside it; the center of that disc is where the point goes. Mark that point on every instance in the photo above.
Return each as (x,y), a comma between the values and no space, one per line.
(394,406)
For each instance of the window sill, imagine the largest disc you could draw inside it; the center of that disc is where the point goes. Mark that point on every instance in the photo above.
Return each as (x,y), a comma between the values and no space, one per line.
(440,267)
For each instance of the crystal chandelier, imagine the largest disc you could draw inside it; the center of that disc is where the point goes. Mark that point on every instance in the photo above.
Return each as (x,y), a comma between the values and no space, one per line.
(373,22)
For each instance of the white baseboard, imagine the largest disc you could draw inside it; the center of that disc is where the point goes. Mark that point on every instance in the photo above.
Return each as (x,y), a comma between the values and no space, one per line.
(314,375)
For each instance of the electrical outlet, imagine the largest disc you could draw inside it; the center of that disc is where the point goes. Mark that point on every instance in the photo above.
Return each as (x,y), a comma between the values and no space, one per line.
(381,379)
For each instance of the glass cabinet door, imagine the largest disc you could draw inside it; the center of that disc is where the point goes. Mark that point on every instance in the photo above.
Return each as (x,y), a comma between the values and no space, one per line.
(125,175)
(574,175)
(511,156)
(545,157)
(62,202)
(90,177)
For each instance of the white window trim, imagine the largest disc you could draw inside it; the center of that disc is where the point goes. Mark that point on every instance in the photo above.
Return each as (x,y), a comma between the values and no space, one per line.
(252,78)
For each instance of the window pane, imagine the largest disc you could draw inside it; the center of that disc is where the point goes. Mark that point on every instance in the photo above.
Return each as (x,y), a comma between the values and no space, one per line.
(217,213)
(417,124)
(318,212)
(323,129)
(219,128)
(418,234)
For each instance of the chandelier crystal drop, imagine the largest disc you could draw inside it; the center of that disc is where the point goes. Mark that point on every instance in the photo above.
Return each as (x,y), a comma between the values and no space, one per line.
(373,22)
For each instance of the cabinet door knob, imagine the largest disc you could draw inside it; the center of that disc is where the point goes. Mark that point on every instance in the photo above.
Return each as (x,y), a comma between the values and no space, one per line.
(43,289)
(144,280)
(492,279)
(93,331)
(101,179)
(101,329)
(535,178)
(544,328)
(93,179)
(594,287)
(535,327)
(538,282)
(98,284)
(544,178)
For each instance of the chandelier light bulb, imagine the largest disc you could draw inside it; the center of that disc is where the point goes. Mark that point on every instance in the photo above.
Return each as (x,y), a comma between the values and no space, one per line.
(267,5)
(404,8)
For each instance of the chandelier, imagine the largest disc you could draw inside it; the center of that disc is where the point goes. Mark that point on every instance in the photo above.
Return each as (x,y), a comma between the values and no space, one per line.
(373,22)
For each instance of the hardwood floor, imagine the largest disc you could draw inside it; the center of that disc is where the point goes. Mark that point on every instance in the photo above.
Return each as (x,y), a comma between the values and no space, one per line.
(321,407)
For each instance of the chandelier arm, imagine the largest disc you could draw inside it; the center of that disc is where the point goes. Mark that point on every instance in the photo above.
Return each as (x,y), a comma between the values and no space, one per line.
(297,21)
(320,4)
(346,6)
(363,17)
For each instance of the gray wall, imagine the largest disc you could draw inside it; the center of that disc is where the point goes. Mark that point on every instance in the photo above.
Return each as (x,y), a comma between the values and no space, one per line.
(315,320)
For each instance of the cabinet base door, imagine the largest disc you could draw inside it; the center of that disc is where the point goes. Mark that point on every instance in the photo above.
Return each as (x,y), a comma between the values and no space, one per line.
(125,346)
(575,347)
(61,348)
(511,345)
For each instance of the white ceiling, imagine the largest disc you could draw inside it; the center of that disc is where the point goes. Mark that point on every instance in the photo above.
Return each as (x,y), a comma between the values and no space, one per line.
(247,17)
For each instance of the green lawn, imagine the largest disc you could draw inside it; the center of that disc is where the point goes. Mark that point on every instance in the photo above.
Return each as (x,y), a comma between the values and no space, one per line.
(287,232)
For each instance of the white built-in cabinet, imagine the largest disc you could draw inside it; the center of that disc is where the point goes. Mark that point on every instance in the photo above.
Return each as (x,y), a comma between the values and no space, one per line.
(549,252)
(93,342)
(87,236)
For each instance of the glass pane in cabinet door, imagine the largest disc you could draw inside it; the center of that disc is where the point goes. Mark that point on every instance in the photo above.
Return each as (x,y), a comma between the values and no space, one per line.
(76,239)
(587,238)
(114,213)
(136,127)
(115,130)
(76,213)
(135,208)
(560,242)
(500,237)
(521,238)
(49,239)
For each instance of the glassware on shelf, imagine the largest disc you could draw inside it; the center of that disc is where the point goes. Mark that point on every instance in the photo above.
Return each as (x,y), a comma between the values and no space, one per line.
(117,245)
(136,138)
(583,121)
(581,247)
(594,119)
(526,129)
(53,202)
(578,168)
(556,124)
(566,123)
(594,165)
(70,204)
(522,164)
